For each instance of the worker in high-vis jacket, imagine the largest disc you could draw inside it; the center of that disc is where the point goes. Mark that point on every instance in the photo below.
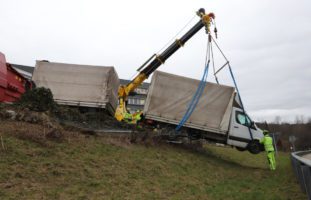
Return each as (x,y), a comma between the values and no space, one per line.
(267,141)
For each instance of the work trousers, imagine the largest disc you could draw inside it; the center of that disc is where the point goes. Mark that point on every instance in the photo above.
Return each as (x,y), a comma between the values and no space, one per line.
(271,160)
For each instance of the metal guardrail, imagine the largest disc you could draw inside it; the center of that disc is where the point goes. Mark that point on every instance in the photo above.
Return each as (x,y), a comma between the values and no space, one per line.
(302,169)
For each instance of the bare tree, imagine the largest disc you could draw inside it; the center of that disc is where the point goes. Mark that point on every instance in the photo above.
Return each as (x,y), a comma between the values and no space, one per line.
(277,119)
(299,119)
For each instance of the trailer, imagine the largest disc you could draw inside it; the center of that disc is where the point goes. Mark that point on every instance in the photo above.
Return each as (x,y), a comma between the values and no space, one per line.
(218,115)
(79,85)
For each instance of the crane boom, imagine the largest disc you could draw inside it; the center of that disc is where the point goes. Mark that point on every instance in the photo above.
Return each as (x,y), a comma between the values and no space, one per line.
(157,60)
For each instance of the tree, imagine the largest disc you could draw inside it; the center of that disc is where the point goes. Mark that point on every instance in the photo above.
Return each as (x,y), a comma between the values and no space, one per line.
(277,119)
(300,119)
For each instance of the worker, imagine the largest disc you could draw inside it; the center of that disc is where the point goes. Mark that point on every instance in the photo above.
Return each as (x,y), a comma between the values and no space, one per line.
(268,143)
(133,118)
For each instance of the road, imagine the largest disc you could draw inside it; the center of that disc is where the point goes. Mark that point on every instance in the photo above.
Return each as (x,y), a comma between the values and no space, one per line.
(308,156)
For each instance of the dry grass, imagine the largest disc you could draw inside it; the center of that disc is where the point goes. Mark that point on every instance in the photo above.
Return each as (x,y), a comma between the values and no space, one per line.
(90,167)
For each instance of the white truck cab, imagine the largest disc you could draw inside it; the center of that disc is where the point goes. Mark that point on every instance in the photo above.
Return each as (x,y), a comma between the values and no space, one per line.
(241,131)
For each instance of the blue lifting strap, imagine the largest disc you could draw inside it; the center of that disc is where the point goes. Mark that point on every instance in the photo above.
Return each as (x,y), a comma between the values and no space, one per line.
(238,93)
(195,98)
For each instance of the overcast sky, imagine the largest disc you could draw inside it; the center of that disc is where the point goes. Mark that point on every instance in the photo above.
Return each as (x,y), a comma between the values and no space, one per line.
(267,42)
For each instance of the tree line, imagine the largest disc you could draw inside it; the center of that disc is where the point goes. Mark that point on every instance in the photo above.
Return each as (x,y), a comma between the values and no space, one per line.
(290,136)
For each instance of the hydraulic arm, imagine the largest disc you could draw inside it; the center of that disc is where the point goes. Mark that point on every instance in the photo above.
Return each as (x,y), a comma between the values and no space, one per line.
(157,60)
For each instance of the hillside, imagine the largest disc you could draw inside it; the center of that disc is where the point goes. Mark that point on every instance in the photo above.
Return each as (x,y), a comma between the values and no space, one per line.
(77,166)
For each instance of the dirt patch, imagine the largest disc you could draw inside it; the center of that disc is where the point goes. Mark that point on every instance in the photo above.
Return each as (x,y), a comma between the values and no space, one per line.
(40,134)
(92,119)
(54,125)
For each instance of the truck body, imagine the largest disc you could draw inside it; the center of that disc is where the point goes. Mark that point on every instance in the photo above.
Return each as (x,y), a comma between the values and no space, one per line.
(79,85)
(218,115)
(12,83)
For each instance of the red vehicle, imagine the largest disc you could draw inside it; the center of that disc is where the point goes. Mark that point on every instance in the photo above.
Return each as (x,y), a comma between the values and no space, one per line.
(12,83)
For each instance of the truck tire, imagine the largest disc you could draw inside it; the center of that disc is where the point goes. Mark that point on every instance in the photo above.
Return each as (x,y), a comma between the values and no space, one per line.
(254,147)
(240,148)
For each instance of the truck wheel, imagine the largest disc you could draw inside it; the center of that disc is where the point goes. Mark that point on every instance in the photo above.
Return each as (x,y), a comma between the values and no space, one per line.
(254,147)
(240,148)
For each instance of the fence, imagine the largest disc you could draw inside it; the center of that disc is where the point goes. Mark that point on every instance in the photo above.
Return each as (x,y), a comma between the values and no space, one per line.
(302,169)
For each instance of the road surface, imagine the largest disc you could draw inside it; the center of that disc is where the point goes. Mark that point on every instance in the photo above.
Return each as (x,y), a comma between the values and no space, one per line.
(308,156)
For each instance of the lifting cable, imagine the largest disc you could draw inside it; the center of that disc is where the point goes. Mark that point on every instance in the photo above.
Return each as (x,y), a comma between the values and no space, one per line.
(174,38)
(166,45)
(214,70)
(196,97)
(234,81)
(202,84)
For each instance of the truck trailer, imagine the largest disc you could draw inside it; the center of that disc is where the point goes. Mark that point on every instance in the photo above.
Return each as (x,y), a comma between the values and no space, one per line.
(85,86)
(218,115)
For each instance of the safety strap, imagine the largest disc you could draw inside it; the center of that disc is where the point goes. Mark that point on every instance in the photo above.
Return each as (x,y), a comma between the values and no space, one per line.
(239,96)
(196,97)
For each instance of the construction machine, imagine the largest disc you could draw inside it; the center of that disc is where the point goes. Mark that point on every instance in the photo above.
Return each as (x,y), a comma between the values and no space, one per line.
(155,61)
(12,83)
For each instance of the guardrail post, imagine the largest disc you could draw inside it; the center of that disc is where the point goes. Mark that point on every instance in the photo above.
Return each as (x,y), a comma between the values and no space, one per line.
(302,168)
(300,178)
(306,172)
(295,165)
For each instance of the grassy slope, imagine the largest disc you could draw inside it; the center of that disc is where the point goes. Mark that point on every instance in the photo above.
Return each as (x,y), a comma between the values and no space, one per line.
(92,168)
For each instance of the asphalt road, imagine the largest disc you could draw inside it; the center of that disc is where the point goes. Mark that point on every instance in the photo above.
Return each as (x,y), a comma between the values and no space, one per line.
(308,156)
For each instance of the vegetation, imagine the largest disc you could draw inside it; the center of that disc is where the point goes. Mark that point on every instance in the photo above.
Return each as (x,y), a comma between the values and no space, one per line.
(300,130)
(38,99)
(89,167)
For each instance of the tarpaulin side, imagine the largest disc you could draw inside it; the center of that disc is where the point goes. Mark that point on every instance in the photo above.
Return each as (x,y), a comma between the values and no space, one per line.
(169,97)
(80,85)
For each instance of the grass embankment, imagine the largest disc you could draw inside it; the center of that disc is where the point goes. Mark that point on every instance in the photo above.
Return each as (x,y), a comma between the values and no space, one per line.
(88,167)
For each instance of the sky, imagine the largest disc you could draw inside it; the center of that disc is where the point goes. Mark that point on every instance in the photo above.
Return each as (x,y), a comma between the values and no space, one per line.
(268,43)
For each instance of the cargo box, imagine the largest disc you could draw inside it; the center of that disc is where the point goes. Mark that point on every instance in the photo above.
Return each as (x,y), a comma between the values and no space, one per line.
(79,85)
(169,97)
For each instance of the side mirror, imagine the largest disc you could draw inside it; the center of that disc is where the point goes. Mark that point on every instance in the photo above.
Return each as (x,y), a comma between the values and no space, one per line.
(253,125)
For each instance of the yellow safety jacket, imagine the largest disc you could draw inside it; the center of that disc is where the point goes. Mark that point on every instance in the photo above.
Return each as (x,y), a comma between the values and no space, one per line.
(132,118)
(268,143)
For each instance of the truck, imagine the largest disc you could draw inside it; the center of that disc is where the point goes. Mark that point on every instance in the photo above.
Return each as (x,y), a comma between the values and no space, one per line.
(12,83)
(218,116)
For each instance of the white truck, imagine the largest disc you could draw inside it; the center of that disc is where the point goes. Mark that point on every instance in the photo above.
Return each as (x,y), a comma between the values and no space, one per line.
(218,115)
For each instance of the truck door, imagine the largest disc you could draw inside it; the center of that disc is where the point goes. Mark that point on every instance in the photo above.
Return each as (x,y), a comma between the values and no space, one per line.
(239,129)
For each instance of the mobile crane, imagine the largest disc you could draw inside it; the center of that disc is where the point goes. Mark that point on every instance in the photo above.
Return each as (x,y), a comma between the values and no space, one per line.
(156,61)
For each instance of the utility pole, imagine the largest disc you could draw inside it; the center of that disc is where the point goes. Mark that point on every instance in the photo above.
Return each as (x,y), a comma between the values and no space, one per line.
(274,142)
(292,140)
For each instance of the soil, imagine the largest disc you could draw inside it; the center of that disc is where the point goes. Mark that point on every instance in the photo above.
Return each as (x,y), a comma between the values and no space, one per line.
(56,124)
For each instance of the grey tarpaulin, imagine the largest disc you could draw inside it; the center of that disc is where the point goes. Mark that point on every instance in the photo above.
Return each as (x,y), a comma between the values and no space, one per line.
(80,85)
(169,96)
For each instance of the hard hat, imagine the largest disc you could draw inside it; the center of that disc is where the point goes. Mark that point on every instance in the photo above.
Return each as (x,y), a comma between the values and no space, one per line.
(265,132)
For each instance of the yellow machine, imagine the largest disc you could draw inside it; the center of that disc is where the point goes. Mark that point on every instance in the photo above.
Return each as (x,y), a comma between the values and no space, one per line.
(154,62)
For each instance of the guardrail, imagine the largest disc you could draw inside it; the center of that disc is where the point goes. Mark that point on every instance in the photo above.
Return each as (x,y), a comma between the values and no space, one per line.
(302,169)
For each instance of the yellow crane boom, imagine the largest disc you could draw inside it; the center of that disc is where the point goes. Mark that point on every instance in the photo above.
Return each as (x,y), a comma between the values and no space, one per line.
(157,60)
